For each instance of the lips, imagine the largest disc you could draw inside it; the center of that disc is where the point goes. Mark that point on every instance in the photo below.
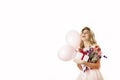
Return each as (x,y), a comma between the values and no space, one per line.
(83,36)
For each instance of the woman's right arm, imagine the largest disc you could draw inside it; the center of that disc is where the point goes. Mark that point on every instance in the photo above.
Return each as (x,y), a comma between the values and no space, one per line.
(79,66)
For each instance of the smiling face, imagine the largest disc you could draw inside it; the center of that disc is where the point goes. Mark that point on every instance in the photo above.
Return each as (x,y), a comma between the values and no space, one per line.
(85,36)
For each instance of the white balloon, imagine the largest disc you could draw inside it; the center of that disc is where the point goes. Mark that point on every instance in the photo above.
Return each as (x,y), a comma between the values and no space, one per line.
(66,53)
(73,39)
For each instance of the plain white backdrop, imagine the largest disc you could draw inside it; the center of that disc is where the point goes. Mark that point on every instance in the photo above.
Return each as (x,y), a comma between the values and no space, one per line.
(32,32)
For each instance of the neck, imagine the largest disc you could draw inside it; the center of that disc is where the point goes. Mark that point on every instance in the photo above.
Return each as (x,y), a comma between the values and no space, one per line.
(87,43)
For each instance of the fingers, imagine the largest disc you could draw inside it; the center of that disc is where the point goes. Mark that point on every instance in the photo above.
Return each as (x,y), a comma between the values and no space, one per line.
(78,61)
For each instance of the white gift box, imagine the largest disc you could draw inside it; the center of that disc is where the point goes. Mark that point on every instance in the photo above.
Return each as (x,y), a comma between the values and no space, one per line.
(80,55)
(85,58)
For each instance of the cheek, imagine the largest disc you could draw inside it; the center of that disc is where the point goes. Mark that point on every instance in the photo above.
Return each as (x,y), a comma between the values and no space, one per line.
(87,36)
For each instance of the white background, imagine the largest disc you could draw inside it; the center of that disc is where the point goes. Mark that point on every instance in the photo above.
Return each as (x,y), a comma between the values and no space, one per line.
(32,32)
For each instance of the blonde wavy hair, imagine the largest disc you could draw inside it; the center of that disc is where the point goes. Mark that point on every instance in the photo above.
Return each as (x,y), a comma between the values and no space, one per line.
(91,37)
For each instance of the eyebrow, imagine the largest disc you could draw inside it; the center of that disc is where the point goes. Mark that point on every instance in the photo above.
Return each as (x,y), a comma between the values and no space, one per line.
(86,31)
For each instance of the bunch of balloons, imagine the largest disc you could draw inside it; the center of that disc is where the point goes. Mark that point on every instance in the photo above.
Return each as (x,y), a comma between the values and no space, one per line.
(68,52)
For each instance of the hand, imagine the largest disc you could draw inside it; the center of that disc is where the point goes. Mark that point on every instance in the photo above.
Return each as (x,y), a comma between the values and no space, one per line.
(79,66)
(78,61)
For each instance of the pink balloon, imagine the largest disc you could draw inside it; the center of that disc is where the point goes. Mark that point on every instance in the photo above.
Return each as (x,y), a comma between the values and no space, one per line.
(73,39)
(66,53)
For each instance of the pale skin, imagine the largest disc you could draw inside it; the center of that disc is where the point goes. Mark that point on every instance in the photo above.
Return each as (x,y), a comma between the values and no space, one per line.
(85,38)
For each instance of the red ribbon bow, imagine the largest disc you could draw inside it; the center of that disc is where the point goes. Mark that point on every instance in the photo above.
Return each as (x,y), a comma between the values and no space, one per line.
(83,52)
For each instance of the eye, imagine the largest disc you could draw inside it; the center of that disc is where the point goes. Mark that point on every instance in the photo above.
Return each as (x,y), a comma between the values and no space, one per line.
(85,32)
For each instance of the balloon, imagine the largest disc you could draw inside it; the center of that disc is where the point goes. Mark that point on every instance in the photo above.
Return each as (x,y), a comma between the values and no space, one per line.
(66,53)
(73,39)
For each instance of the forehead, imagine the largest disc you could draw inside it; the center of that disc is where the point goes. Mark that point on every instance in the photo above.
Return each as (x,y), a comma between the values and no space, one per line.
(85,31)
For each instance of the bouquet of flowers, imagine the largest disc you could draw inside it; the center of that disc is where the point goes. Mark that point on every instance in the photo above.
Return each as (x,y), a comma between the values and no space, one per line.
(92,54)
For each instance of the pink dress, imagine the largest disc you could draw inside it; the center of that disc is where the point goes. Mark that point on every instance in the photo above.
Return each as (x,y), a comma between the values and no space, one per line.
(90,74)
(93,74)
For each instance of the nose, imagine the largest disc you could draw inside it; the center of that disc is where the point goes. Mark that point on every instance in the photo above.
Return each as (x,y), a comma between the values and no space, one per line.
(84,33)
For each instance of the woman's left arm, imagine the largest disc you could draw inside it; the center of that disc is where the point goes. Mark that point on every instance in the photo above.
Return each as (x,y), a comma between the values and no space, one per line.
(92,65)
(88,64)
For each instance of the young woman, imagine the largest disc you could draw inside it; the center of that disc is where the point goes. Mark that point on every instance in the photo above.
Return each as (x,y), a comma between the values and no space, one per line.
(92,72)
